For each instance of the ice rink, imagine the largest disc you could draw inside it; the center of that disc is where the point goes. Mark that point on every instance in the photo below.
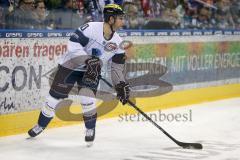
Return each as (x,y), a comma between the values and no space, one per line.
(214,124)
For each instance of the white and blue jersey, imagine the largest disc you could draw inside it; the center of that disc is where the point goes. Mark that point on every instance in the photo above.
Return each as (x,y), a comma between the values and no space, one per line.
(88,39)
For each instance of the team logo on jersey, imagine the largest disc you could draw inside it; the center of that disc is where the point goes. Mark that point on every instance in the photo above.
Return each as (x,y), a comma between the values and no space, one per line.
(109,47)
(125,45)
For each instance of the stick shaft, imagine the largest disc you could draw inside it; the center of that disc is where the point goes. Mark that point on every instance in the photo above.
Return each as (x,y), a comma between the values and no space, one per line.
(182,144)
(154,123)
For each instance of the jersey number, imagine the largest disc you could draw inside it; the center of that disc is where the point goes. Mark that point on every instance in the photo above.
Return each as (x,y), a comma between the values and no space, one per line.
(83,27)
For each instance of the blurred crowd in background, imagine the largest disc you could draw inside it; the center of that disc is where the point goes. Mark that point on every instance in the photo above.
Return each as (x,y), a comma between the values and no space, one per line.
(140,14)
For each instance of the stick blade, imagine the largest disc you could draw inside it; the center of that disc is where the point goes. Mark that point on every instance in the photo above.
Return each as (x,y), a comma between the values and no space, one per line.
(191,145)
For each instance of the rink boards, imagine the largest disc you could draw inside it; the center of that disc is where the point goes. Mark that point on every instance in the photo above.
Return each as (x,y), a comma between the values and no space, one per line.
(172,69)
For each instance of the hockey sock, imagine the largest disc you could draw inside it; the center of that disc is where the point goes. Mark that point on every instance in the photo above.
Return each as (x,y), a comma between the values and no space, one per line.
(43,121)
(90,121)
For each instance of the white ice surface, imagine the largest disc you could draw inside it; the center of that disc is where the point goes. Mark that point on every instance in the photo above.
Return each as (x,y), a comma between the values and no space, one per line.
(216,125)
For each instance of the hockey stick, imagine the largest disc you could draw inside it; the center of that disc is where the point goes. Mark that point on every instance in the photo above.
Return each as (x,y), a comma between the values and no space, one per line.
(182,144)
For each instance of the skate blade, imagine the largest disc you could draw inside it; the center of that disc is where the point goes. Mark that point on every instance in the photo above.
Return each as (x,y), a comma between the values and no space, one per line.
(30,138)
(89,144)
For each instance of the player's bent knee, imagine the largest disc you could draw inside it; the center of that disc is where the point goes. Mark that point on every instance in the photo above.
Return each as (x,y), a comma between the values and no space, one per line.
(88,105)
(49,108)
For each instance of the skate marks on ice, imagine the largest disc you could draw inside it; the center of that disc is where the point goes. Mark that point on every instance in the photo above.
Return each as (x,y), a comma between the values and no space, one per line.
(210,150)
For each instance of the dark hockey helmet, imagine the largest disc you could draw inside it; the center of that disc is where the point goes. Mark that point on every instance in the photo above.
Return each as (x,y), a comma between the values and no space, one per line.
(112,10)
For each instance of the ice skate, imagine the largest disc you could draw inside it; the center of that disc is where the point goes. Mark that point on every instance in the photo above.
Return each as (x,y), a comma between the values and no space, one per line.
(89,136)
(36,130)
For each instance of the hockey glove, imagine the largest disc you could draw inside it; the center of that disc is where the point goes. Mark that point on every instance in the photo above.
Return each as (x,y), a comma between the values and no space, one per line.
(123,92)
(91,76)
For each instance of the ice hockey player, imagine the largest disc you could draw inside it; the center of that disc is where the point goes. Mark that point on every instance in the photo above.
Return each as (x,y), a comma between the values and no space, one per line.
(90,47)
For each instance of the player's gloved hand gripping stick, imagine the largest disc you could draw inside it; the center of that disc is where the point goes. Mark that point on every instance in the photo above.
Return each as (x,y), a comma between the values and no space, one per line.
(123,92)
(182,144)
(93,70)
